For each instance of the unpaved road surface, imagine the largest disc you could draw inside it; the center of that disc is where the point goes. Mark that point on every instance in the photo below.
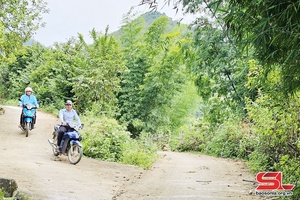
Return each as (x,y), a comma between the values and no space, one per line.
(42,176)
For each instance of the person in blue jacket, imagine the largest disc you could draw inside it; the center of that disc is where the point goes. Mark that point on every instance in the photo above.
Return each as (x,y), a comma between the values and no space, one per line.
(27,98)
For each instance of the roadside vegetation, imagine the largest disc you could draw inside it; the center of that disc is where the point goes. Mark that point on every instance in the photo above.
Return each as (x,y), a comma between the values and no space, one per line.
(219,87)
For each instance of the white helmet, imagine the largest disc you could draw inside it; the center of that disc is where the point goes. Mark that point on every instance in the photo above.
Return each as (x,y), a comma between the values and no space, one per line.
(28,89)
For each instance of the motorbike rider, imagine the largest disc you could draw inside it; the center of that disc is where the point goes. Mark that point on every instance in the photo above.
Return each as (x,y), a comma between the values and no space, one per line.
(66,118)
(27,98)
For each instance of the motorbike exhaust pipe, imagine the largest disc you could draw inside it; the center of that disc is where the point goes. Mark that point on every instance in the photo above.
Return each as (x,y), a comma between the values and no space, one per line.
(51,143)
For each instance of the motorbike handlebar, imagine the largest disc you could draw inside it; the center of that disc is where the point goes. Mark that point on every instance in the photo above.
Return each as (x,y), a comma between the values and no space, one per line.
(76,127)
(29,107)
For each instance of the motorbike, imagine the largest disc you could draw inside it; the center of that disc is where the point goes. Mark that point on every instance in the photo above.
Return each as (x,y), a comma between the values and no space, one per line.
(29,116)
(70,143)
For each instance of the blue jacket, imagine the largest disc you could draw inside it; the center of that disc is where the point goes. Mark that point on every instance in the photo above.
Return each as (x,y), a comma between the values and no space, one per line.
(28,100)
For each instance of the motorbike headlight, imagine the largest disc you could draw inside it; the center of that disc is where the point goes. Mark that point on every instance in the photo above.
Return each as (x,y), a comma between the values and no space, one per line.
(29,107)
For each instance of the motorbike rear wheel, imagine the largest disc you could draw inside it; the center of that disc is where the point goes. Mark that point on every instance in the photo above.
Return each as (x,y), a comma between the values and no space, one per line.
(74,154)
(27,126)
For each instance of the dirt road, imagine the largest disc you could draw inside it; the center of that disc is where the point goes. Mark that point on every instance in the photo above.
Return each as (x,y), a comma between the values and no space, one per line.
(42,176)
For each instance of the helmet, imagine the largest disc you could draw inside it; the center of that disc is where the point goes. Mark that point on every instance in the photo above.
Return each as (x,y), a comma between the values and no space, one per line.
(28,89)
(68,102)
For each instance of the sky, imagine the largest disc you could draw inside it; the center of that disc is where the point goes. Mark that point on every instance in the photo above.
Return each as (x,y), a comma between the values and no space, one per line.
(67,18)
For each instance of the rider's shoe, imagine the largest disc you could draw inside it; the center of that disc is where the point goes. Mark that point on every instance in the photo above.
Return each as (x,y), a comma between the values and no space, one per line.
(58,149)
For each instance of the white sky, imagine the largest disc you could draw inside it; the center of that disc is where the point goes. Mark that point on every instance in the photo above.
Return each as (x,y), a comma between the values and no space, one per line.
(66,18)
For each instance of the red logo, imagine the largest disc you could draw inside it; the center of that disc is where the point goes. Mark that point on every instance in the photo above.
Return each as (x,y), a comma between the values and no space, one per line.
(272,181)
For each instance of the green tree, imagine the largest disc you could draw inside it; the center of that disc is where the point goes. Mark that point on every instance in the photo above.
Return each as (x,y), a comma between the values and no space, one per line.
(220,71)
(156,74)
(136,61)
(98,81)
(52,73)
(19,20)
(15,74)
(271,27)
(48,71)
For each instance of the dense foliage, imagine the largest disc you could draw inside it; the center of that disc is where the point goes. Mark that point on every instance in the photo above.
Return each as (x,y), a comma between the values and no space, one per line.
(270,27)
(155,75)
(245,69)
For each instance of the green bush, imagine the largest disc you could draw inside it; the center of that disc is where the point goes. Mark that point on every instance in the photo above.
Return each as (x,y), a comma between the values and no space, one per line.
(107,140)
(290,168)
(276,130)
(224,144)
(193,137)
(230,140)
(1,194)
(139,152)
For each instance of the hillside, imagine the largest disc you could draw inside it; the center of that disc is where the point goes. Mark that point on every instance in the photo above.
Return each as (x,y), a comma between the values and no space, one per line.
(149,18)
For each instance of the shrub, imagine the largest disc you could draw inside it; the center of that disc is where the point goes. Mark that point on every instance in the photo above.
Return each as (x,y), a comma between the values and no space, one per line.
(276,130)
(1,194)
(194,137)
(230,140)
(107,140)
(140,152)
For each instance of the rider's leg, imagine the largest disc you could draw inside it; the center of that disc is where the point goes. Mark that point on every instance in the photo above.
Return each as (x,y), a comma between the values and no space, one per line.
(65,142)
(21,120)
(61,131)
(33,121)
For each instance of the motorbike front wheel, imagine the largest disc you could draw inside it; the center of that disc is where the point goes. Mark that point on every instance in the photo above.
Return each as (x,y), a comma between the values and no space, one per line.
(54,141)
(74,154)
(27,126)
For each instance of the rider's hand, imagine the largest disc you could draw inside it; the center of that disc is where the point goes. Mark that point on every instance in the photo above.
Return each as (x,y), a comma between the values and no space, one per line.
(63,123)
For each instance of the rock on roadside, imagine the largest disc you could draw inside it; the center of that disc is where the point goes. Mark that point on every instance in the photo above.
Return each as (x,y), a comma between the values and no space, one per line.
(9,187)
